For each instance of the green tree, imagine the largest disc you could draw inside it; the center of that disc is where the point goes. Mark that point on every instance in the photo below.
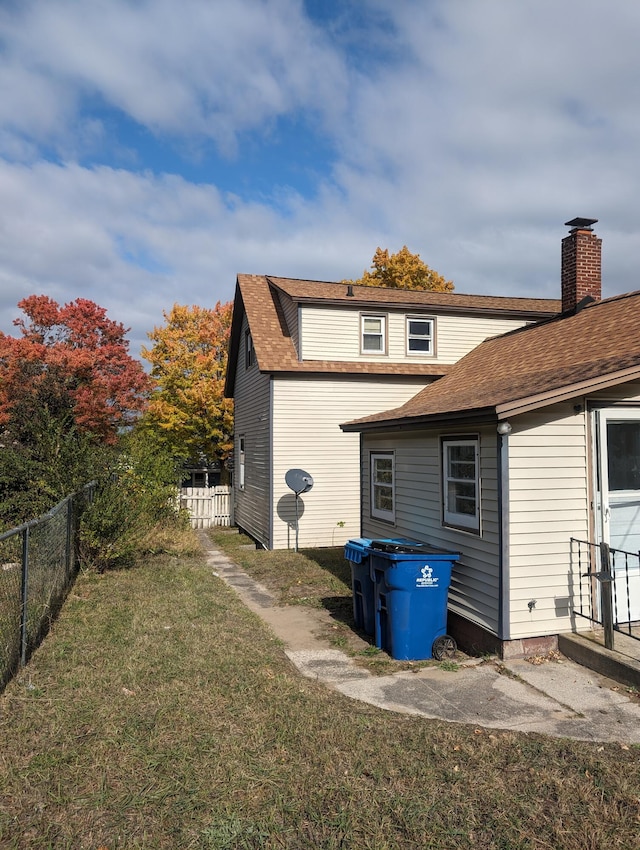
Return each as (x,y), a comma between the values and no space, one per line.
(136,507)
(188,411)
(403,270)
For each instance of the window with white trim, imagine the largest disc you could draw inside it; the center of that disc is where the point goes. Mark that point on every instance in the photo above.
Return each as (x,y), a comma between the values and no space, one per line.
(461,483)
(420,335)
(373,334)
(241,458)
(383,486)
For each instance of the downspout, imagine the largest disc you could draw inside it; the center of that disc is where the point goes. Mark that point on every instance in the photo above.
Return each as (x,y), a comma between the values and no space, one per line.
(361,483)
(504,589)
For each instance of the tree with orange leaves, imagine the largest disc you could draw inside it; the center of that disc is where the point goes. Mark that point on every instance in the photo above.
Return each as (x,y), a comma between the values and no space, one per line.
(403,270)
(188,411)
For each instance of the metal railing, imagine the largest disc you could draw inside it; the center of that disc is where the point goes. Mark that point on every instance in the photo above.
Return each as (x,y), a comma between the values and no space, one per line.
(38,565)
(608,588)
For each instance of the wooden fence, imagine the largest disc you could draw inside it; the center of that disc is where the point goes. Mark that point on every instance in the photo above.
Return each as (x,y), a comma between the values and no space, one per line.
(208,506)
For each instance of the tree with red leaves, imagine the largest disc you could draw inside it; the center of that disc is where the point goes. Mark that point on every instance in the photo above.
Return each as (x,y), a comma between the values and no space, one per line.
(68,386)
(72,362)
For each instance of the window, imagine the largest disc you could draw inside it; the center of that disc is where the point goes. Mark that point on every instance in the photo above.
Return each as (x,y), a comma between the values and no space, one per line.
(420,337)
(623,456)
(460,483)
(382,486)
(373,334)
(241,463)
(248,350)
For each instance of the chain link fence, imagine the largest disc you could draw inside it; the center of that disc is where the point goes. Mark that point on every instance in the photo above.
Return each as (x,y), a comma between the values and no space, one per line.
(38,565)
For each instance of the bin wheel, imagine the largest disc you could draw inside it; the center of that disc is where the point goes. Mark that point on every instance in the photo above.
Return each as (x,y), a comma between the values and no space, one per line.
(444,647)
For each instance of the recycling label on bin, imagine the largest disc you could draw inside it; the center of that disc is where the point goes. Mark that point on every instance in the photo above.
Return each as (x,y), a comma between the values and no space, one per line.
(426,578)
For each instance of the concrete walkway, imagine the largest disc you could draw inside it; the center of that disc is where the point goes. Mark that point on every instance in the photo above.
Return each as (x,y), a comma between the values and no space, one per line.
(560,698)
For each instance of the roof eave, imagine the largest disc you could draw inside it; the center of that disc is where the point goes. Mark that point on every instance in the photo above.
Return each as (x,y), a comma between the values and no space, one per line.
(500,411)
(478,415)
(534,402)
(234,343)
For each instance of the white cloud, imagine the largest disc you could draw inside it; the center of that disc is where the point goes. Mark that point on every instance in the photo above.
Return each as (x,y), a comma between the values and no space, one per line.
(213,69)
(483,126)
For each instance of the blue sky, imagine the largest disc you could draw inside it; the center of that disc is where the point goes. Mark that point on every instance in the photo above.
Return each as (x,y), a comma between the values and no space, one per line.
(152,149)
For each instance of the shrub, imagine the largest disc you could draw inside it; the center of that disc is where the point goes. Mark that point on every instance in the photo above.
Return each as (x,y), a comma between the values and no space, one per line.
(140,494)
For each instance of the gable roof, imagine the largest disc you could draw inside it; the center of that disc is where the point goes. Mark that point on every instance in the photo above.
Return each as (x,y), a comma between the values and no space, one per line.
(594,348)
(261,299)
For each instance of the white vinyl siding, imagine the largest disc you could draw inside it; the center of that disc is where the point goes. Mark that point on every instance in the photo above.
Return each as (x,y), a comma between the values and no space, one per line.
(474,592)
(290,311)
(335,334)
(307,414)
(626,393)
(251,421)
(548,466)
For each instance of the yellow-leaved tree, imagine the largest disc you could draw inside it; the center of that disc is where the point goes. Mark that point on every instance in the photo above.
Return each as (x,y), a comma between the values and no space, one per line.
(403,270)
(187,411)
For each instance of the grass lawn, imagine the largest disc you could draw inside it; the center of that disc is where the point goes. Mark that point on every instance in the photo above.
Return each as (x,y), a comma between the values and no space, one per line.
(160,713)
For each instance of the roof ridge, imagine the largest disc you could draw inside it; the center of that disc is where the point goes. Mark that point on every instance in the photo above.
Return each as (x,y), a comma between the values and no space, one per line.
(275,278)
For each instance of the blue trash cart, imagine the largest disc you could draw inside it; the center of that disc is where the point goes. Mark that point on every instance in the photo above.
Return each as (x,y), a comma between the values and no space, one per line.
(411,585)
(357,552)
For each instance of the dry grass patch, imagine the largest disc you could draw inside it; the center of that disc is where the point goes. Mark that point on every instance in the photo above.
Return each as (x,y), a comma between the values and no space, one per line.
(160,713)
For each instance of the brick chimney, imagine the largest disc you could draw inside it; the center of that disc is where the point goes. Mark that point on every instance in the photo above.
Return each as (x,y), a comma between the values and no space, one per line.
(581,264)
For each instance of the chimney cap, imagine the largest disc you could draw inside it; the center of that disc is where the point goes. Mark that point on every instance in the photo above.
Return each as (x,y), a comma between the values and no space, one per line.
(581,223)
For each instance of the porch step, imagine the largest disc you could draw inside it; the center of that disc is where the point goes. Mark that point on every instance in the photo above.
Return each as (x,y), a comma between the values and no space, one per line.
(621,664)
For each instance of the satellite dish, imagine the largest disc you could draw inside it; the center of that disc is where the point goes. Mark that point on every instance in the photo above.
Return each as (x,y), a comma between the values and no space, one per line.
(299,481)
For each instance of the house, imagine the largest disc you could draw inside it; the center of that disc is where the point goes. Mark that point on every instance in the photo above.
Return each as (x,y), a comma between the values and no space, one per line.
(307,355)
(530,440)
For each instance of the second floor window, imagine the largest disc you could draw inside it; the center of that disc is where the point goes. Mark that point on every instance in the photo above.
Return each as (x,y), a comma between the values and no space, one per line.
(248,350)
(420,335)
(373,334)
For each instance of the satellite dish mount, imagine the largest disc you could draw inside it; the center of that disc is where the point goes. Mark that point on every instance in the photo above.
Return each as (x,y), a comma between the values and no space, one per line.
(300,482)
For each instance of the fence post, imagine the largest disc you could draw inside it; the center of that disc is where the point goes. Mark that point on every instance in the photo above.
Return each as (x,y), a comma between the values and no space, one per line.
(70,535)
(606,595)
(24,591)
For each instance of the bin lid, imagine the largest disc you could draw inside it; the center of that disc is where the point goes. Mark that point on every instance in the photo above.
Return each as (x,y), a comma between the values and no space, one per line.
(406,547)
(360,543)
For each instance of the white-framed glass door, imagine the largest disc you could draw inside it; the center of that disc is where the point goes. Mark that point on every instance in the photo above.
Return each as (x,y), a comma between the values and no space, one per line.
(618,498)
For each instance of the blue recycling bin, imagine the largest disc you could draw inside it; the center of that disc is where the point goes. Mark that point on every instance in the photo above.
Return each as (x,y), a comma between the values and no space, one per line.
(411,585)
(357,552)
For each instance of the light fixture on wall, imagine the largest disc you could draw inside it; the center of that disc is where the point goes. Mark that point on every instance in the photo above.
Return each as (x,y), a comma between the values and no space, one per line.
(504,428)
